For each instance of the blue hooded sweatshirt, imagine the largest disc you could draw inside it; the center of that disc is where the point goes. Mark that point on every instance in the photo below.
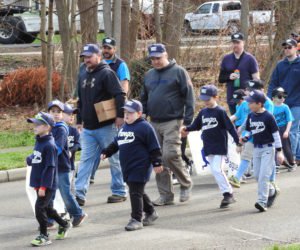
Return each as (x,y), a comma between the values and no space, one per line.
(287,75)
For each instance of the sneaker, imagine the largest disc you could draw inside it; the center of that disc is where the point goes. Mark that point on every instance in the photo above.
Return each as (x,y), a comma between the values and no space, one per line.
(185,194)
(150,218)
(63,231)
(116,198)
(92,181)
(78,221)
(275,187)
(133,225)
(41,240)
(261,207)
(248,175)
(292,168)
(234,181)
(80,202)
(272,199)
(163,202)
(227,200)
(277,170)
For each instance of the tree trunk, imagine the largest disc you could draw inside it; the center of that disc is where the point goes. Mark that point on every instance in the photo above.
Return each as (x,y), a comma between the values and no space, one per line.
(88,20)
(173,24)
(245,19)
(107,17)
(289,14)
(49,53)
(134,26)
(43,32)
(69,61)
(125,44)
(157,24)
(117,23)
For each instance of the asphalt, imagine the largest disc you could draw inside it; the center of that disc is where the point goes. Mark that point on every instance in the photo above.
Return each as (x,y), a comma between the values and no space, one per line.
(198,224)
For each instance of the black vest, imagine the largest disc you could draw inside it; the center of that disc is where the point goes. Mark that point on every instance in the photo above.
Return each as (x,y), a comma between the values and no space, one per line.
(114,65)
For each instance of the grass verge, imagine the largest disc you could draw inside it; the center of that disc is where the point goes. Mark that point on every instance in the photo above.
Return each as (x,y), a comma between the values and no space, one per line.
(13,160)
(295,246)
(18,139)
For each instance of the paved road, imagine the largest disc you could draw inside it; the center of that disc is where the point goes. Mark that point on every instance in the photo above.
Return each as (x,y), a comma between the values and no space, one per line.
(198,224)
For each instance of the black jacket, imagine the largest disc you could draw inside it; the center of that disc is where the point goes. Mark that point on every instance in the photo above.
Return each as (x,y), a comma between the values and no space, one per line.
(95,86)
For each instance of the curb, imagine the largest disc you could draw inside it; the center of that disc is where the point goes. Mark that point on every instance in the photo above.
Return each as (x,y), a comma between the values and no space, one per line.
(20,173)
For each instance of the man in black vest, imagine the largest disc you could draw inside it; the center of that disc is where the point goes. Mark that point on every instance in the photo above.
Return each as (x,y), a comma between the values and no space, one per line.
(116,64)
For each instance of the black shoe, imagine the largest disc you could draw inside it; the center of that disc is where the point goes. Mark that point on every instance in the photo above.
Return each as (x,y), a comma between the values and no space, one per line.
(78,221)
(116,198)
(227,200)
(272,199)
(80,202)
(261,207)
(92,181)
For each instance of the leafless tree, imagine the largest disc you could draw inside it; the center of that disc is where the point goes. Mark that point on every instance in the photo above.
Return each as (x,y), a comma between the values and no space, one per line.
(245,18)
(107,17)
(117,23)
(43,32)
(157,22)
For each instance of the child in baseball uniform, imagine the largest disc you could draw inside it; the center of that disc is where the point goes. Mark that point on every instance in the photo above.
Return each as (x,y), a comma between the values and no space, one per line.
(261,125)
(43,178)
(214,123)
(247,149)
(284,119)
(139,152)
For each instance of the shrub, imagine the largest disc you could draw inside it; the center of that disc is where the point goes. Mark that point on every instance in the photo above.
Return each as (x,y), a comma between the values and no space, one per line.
(27,86)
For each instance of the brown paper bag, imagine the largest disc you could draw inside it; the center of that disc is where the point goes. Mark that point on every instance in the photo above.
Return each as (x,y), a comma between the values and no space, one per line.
(106,110)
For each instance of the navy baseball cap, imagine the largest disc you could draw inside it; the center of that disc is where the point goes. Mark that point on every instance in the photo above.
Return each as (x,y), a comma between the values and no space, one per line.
(156,50)
(42,119)
(237,37)
(90,49)
(291,42)
(255,84)
(133,106)
(256,96)
(109,41)
(207,92)
(279,91)
(238,95)
(69,109)
(56,103)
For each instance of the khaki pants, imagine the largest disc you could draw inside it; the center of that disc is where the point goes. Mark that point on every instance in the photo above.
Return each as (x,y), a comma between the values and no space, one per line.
(168,134)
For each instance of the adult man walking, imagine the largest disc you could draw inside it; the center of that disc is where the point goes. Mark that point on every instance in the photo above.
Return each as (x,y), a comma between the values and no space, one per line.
(237,68)
(168,99)
(98,83)
(120,68)
(287,75)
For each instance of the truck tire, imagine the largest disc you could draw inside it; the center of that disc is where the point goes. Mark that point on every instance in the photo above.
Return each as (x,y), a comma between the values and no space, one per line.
(233,27)
(11,30)
(187,30)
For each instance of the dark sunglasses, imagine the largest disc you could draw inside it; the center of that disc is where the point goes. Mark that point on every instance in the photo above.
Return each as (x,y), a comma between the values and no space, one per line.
(280,96)
(288,47)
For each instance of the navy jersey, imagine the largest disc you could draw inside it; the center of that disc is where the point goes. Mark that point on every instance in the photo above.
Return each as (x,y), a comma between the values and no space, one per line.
(214,124)
(44,163)
(60,133)
(74,144)
(136,142)
(261,126)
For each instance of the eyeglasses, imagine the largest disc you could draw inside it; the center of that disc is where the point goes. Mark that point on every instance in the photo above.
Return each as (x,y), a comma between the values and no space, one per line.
(288,47)
(280,96)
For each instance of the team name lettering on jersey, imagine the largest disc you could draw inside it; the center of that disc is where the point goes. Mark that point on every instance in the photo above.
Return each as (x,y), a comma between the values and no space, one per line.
(257,127)
(37,157)
(209,123)
(70,141)
(125,137)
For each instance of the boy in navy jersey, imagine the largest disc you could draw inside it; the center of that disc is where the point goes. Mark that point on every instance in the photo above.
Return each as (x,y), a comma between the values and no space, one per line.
(73,138)
(60,133)
(43,178)
(214,123)
(261,125)
(284,119)
(139,151)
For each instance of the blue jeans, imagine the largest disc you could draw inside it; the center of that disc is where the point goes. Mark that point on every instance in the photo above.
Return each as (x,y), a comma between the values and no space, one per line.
(64,187)
(95,167)
(92,143)
(295,132)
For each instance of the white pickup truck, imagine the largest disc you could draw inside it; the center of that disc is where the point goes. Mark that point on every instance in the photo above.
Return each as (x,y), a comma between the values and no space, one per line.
(222,15)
